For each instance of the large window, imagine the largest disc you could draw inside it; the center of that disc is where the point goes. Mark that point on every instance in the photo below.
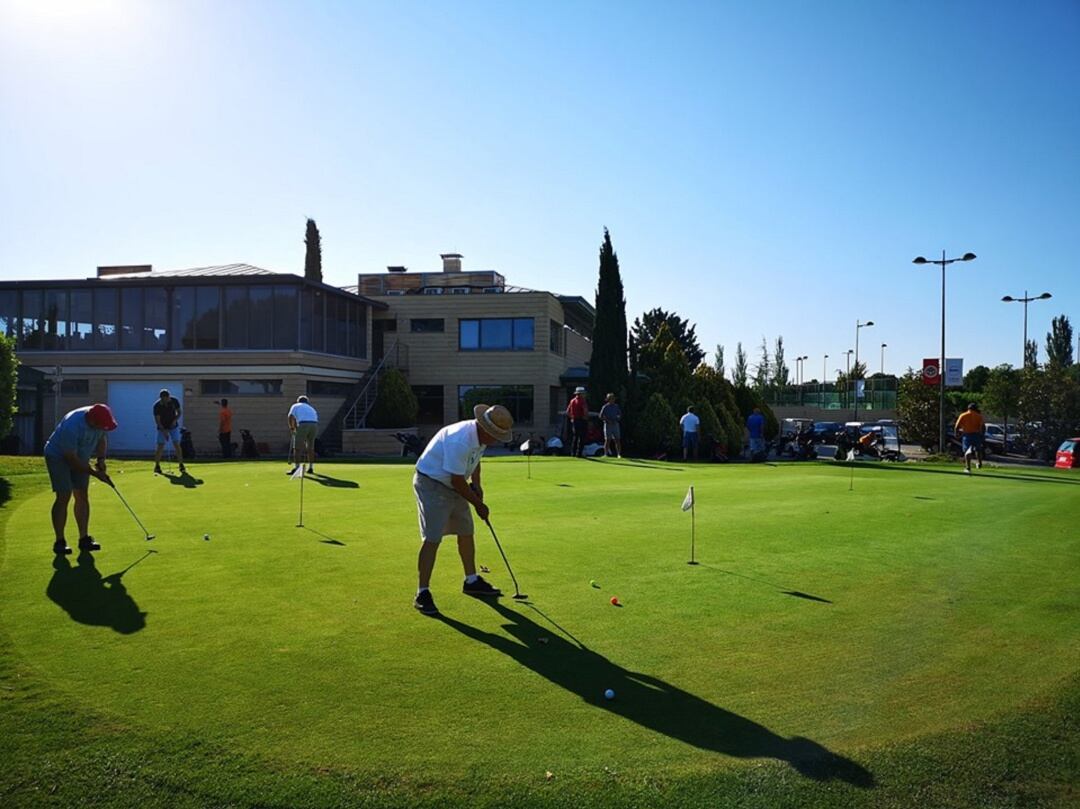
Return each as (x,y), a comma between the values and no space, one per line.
(261,317)
(430,400)
(106,317)
(496,334)
(421,325)
(320,387)
(155,319)
(285,318)
(33,324)
(557,339)
(236,317)
(131,319)
(312,320)
(518,399)
(240,387)
(81,324)
(56,316)
(9,313)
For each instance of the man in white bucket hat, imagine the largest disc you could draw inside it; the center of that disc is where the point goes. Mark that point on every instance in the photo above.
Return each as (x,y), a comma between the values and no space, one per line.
(446,483)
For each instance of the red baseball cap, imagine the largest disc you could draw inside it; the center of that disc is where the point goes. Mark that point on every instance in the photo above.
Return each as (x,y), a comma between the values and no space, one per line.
(101,417)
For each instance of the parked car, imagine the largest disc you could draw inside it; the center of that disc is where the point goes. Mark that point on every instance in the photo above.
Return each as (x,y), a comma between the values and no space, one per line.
(1068,454)
(825,432)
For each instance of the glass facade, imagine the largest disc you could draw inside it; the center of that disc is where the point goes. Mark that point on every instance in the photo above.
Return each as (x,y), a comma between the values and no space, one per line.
(518,399)
(496,334)
(184,318)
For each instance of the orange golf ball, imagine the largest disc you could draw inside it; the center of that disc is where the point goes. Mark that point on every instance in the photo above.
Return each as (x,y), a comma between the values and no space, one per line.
(614,601)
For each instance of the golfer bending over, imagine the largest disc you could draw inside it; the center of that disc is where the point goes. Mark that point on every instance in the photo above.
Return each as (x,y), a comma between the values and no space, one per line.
(446,482)
(67,457)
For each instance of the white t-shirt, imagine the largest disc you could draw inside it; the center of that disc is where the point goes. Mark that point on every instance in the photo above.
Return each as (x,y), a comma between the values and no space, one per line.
(455,450)
(690,423)
(302,412)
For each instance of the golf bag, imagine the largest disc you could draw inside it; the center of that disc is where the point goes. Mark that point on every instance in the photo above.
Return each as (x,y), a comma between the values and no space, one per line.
(410,444)
(801,446)
(247,445)
(186,446)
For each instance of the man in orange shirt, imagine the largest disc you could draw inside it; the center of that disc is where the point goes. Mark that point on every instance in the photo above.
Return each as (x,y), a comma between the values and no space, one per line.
(971,427)
(578,413)
(225,429)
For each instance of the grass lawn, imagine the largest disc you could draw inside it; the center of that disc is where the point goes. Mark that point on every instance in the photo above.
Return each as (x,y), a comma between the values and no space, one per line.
(915,639)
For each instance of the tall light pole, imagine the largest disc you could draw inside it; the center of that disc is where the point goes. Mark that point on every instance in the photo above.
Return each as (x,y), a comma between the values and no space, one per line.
(1026,300)
(883,347)
(801,375)
(858,326)
(849,352)
(943,263)
(847,374)
(825,377)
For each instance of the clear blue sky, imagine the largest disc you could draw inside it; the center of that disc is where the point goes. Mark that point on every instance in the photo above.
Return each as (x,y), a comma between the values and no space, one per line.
(765,168)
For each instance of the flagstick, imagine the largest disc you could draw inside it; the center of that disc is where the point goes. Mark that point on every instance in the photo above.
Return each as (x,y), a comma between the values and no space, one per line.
(693,505)
(851,483)
(300,524)
(528,463)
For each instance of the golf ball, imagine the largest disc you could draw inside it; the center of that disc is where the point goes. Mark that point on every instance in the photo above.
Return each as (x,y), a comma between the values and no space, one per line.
(206,536)
(592,583)
(609,694)
(614,601)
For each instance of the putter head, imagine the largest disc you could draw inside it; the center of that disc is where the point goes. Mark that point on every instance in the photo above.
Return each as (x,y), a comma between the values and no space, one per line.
(150,537)
(521,597)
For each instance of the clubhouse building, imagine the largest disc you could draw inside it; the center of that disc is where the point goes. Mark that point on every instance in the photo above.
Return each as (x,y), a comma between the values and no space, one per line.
(260,338)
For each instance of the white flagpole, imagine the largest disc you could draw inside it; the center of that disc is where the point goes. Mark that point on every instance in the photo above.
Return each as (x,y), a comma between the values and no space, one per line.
(300,524)
(693,505)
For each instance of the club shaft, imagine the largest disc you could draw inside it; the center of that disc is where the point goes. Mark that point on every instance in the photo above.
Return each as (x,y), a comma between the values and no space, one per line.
(131,510)
(506,561)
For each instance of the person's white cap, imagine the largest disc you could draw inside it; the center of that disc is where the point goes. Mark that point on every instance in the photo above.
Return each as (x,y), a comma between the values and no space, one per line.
(579,389)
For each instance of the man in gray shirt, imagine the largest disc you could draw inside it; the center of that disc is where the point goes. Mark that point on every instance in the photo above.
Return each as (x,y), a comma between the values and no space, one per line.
(611,415)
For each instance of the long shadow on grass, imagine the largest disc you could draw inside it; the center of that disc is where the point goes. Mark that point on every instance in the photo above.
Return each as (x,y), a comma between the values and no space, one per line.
(184,479)
(333,483)
(780,588)
(326,538)
(631,463)
(655,704)
(981,473)
(91,599)
(5,491)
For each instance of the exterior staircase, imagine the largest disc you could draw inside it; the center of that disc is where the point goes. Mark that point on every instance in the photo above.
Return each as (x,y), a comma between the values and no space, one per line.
(353,413)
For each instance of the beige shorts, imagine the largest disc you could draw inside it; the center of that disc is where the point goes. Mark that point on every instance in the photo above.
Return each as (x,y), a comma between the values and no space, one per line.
(441,510)
(305,434)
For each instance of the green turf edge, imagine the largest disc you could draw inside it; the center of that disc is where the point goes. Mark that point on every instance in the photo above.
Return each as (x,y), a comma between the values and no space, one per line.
(54,753)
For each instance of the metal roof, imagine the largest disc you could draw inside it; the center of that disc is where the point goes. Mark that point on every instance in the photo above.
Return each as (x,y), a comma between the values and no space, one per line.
(215,271)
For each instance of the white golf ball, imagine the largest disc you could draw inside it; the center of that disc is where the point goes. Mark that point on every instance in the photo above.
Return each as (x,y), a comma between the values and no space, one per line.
(609,694)
(206,536)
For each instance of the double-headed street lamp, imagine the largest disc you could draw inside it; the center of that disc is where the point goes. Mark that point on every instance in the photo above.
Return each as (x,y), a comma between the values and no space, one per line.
(1026,300)
(858,326)
(800,368)
(943,263)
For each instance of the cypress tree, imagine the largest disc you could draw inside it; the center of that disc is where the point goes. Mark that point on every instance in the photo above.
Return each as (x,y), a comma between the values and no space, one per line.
(607,368)
(313,254)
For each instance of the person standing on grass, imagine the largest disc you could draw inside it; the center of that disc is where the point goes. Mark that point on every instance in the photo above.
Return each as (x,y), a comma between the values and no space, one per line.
(225,429)
(755,424)
(67,457)
(446,483)
(970,426)
(167,419)
(304,426)
(611,416)
(690,424)
(578,413)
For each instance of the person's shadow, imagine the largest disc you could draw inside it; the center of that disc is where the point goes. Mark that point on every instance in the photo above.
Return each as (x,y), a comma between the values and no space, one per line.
(91,599)
(655,704)
(334,483)
(184,479)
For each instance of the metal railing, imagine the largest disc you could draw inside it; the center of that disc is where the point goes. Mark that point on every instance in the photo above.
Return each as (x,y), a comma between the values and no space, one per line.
(397,356)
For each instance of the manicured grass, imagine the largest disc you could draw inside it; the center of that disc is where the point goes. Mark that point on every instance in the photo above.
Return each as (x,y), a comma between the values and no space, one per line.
(917,633)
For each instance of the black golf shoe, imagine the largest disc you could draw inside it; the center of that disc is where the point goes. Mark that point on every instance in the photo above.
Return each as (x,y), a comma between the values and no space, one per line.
(157,469)
(183,469)
(425,603)
(61,548)
(88,543)
(480,588)
(292,471)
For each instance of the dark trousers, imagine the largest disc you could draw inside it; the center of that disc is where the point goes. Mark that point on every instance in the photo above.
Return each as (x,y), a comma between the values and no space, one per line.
(581,431)
(226,444)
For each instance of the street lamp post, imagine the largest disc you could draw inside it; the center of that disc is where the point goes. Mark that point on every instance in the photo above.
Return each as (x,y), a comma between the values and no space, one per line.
(883,347)
(825,377)
(943,263)
(858,326)
(847,374)
(1026,300)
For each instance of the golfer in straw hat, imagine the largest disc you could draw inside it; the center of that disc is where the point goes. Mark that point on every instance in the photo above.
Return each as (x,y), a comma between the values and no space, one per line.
(447,482)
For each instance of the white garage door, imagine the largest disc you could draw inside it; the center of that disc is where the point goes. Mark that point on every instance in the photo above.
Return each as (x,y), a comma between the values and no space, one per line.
(132,404)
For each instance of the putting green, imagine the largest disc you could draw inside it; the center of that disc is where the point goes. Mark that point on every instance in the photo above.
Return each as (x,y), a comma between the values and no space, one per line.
(820,620)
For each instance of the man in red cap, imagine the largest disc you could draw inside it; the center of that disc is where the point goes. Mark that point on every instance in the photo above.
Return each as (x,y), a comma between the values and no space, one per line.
(67,456)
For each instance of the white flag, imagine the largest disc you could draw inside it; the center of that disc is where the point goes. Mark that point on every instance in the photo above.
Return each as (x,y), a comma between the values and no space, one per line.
(851,454)
(526,446)
(688,501)
(298,472)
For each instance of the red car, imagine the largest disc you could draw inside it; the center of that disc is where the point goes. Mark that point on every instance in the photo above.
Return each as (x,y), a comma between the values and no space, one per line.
(1068,454)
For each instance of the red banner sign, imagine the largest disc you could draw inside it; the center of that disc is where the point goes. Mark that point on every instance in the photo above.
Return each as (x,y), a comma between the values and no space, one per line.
(931,374)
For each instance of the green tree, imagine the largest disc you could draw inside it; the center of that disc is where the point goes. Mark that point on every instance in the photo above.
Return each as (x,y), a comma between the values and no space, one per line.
(1001,393)
(762,373)
(780,372)
(917,409)
(1031,354)
(607,368)
(665,368)
(395,404)
(313,253)
(658,427)
(718,364)
(975,379)
(647,327)
(740,374)
(1059,343)
(9,378)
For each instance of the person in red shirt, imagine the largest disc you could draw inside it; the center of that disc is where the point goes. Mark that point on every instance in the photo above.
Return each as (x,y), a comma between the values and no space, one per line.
(225,429)
(578,413)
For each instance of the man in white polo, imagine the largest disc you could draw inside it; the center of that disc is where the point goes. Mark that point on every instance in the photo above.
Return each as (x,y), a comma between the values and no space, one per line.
(446,483)
(304,426)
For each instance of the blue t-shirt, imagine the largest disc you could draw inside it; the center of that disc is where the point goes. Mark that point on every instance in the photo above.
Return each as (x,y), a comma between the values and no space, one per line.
(74,434)
(755,422)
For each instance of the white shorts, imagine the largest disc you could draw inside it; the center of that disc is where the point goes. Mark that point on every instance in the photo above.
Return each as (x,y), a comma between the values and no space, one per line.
(441,510)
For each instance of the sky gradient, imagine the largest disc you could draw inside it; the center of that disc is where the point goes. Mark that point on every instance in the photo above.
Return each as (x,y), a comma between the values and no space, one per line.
(765,169)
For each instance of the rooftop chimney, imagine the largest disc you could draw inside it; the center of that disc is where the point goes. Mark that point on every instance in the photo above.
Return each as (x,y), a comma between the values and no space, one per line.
(129,269)
(451,262)
(397,268)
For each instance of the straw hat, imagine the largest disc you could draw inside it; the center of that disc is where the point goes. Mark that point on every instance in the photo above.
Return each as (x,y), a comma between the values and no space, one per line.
(495,420)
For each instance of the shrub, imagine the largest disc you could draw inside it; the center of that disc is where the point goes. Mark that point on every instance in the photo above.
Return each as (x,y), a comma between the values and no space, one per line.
(9,373)
(395,405)
(658,428)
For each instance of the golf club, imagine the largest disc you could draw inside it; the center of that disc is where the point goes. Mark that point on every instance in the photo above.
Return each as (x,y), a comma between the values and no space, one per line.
(518,595)
(149,536)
